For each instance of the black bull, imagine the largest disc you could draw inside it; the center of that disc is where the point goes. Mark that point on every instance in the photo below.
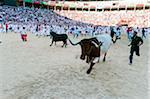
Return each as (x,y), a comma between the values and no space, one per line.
(89,50)
(59,37)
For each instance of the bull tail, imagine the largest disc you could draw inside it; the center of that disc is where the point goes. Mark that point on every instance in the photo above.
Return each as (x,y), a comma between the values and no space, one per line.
(73,43)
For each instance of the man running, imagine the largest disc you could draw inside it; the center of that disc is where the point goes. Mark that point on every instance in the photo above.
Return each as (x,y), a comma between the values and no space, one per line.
(136,42)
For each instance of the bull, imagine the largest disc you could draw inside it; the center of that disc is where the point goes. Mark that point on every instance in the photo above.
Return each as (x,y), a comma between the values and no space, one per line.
(58,37)
(93,48)
(90,48)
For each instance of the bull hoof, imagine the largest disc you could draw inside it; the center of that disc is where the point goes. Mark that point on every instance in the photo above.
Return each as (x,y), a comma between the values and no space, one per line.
(104,60)
(88,72)
(87,62)
(82,58)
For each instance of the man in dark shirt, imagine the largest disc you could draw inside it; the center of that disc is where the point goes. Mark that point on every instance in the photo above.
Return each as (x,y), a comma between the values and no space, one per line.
(112,33)
(135,43)
(143,33)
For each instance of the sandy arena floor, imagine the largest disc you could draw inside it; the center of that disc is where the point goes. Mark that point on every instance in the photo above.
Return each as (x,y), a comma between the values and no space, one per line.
(34,70)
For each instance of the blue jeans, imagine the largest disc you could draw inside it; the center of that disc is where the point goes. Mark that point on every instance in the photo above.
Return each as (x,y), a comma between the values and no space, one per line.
(129,36)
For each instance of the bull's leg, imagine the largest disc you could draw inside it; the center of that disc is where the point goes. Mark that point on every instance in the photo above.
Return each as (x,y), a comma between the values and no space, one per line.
(113,40)
(104,59)
(51,43)
(90,69)
(55,42)
(116,38)
(87,59)
(63,44)
(82,57)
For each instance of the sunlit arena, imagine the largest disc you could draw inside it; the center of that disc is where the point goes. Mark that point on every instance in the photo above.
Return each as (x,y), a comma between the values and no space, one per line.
(74,49)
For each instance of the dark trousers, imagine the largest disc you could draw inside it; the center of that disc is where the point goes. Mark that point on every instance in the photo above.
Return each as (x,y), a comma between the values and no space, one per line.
(134,49)
(6,30)
(143,35)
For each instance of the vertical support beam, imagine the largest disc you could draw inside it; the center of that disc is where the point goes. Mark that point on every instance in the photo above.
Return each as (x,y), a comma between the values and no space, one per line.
(144,7)
(95,9)
(102,9)
(17,3)
(32,4)
(24,5)
(134,8)
(55,8)
(125,7)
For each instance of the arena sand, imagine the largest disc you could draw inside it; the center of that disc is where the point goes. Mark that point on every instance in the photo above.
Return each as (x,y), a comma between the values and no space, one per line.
(34,70)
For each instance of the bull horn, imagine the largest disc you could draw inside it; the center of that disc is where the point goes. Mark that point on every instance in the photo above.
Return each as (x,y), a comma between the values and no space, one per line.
(73,43)
(101,43)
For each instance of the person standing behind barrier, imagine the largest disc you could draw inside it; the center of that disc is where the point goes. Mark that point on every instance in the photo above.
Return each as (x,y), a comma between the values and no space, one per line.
(143,33)
(6,27)
(1,28)
(37,30)
(147,31)
(112,33)
(76,32)
(118,33)
(135,46)
(129,33)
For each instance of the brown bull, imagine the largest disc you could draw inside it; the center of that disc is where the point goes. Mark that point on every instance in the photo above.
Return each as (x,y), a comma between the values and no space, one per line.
(90,48)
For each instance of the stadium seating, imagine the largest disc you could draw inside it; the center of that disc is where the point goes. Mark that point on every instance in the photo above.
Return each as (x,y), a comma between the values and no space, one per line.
(133,18)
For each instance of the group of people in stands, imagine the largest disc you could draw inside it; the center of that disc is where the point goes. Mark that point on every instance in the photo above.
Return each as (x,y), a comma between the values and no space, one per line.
(108,18)
(42,21)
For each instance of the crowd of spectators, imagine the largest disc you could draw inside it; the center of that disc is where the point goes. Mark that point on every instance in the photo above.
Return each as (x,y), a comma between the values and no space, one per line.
(42,21)
(31,18)
(137,18)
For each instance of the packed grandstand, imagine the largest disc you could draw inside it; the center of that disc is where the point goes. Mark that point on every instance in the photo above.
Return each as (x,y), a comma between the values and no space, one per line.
(87,16)
(119,11)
